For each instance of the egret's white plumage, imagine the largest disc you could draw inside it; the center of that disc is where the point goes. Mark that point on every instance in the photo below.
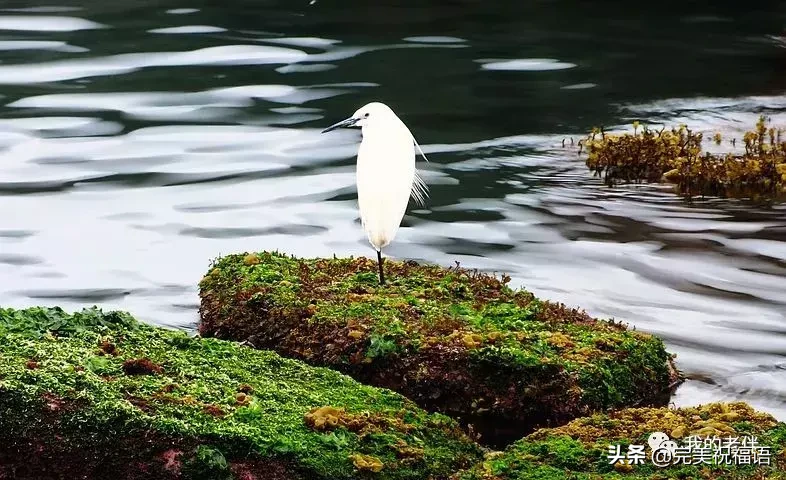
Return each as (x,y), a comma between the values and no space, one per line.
(386,173)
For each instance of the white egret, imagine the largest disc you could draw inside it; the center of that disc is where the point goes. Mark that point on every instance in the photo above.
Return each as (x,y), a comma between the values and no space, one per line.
(386,174)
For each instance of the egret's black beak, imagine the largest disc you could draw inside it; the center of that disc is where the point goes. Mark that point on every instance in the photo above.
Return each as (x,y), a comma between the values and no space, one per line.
(342,124)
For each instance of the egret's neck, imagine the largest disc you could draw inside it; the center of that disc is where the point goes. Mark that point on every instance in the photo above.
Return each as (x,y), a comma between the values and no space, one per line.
(393,128)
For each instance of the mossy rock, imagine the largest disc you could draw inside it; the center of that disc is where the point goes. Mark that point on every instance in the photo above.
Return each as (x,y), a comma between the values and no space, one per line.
(455,341)
(580,449)
(101,396)
(675,155)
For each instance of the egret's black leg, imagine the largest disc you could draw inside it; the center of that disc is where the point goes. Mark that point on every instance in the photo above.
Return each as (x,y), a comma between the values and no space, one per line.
(381,271)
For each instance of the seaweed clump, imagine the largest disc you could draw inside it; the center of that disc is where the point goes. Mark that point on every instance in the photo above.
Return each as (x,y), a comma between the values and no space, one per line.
(453,340)
(169,406)
(675,155)
(580,450)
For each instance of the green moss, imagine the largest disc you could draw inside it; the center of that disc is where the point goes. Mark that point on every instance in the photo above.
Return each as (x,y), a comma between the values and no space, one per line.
(103,376)
(676,156)
(517,356)
(579,450)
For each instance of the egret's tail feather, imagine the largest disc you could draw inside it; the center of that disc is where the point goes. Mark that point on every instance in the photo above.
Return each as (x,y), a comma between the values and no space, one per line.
(419,190)
(422,154)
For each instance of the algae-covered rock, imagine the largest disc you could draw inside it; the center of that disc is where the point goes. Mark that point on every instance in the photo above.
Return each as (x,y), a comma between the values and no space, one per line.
(101,396)
(715,441)
(453,340)
(675,155)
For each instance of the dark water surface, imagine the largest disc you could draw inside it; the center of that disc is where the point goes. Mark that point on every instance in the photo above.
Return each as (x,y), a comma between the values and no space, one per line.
(140,139)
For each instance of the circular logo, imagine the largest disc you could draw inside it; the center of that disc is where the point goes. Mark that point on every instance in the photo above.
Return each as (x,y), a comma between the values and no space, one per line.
(656,439)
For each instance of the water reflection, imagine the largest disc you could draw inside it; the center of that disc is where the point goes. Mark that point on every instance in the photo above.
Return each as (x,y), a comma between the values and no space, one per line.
(43,23)
(140,140)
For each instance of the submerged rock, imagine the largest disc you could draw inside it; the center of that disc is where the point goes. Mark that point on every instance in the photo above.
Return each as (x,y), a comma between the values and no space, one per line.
(675,155)
(101,396)
(714,441)
(453,340)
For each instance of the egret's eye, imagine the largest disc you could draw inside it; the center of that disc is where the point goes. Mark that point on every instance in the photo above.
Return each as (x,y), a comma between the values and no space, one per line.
(366,115)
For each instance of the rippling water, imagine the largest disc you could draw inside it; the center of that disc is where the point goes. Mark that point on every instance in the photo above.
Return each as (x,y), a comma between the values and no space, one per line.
(140,140)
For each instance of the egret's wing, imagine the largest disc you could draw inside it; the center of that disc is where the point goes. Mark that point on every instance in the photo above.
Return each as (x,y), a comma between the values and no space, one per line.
(419,190)
(385,175)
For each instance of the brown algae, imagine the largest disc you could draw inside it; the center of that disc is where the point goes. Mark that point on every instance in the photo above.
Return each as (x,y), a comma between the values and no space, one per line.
(675,155)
